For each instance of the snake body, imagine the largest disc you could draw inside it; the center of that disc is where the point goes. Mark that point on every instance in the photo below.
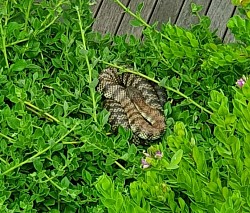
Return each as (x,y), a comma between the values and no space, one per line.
(133,102)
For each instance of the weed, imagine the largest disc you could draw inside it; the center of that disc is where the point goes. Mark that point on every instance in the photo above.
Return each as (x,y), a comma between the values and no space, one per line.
(57,151)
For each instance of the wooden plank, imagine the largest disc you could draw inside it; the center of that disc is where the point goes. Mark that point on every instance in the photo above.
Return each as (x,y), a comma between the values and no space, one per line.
(126,27)
(166,11)
(219,12)
(229,37)
(95,7)
(108,17)
(186,18)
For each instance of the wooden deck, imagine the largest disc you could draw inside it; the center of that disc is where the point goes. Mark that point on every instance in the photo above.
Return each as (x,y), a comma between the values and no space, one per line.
(110,18)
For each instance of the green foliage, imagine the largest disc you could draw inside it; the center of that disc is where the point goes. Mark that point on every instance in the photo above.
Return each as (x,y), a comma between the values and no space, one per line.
(57,151)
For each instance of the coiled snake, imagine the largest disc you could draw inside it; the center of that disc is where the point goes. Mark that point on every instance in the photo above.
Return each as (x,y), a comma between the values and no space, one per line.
(133,102)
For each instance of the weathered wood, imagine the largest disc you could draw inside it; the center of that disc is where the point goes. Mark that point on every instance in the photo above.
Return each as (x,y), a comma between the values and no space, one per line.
(125,26)
(95,7)
(219,12)
(109,17)
(229,37)
(186,18)
(166,10)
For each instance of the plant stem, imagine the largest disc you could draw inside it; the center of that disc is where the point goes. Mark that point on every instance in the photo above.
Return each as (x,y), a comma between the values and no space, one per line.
(47,25)
(4,161)
(116,162)
(127,10)
(37,113)
(16,42)
(162,58)
(157,82)
(7,137)
(33,108)
(27,14)
(92,91)
(71,142)
(50,179)
(39,153)
(43,23)
(4,44)
(48,16)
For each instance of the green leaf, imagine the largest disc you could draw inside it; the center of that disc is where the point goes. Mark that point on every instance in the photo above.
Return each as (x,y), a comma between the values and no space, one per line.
(246,89)
(248,14)
(64,39)
(65,182)
(57,147)
(106,182)
(236,2)
(57,62)
(235,144)
(13,123)
(132,151)
(230,119)
(139,8)
(54,211)
(94,83)
(65,107)
(19,65)
(87,176)
(38,164)
(136,23)
(220,134)
(175,160)
(199,158)
(172,166)
(196,8)
(224,152)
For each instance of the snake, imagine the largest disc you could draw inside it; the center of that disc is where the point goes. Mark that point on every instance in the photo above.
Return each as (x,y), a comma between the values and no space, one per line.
(134,103)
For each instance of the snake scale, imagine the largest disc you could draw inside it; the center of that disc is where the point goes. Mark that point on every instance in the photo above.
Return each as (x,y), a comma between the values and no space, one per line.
(133,102)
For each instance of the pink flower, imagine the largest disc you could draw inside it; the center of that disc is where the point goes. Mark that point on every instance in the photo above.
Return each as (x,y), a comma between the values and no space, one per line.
(146,154)
(145,164)
(241,82)
(158,154)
